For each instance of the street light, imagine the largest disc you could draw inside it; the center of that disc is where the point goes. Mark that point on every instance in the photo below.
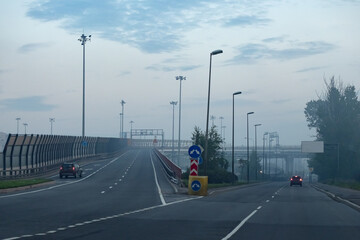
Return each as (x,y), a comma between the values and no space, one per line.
(256,125)
(180,78)
(221,133)
(122,118)
(232,151)
(173,103)
(83,39)
(247,144)
(17,119)
(51,120)
(131,123)
(25,125)
(215,52)
(264,166)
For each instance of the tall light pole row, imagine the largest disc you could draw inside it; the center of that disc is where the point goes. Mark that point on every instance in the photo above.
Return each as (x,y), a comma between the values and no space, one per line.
(51,120)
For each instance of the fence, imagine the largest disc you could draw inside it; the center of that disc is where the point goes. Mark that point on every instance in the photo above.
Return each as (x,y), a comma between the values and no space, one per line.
(31,154)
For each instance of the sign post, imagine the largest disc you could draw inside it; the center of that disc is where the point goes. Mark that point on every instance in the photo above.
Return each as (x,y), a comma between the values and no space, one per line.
(197,184)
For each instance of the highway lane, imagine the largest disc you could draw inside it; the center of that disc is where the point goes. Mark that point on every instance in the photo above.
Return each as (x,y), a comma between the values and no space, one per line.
(265,211)
(135,211)
(116,185)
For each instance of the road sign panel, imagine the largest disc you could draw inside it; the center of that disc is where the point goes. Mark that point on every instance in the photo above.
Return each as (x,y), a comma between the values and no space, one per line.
(195,185)
(194,167)
(194,151)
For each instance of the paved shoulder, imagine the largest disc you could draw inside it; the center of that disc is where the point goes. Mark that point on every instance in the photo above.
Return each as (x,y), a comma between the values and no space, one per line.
(345,195)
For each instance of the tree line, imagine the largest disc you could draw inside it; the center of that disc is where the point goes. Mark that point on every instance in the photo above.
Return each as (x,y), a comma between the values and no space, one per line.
(335,116)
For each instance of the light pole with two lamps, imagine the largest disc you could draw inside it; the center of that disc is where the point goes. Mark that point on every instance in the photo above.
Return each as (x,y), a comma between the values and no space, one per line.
(180,78)
(215,52)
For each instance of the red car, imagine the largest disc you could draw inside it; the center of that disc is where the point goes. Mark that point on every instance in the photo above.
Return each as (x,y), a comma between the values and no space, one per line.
(296,180)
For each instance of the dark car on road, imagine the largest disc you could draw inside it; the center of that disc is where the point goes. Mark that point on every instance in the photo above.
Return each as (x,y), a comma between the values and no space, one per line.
(70,169)
(296,180)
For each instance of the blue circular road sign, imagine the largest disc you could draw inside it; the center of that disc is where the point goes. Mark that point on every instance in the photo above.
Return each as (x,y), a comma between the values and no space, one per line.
(195,185)
(194,151)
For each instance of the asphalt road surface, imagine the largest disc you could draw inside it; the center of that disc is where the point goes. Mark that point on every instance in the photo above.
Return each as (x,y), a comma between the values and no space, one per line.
(129,197)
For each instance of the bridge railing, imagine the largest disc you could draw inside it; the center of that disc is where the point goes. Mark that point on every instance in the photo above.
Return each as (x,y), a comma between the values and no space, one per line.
(26,155)
(171,168)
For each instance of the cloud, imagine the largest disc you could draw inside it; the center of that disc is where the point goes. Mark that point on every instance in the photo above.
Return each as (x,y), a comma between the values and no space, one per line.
(32,47)
(250,53)
(151,26)
(310,69)
(164,68)
(246,20)
(274,39)
(29,104)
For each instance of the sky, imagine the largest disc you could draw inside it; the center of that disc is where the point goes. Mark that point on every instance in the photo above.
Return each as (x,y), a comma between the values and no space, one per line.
(277,53)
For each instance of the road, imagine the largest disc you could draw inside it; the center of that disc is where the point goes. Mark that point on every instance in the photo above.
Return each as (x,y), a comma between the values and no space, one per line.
(129,197)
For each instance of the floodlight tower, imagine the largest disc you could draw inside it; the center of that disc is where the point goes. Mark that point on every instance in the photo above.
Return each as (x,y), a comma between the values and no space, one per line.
(83,39)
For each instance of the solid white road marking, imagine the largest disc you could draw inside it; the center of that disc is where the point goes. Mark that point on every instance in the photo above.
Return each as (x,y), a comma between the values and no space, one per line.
(61,185)
(157,184)
(239,226)
(110,217)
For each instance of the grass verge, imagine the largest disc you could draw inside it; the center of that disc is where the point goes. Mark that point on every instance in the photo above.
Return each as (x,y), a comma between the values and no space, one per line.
(344,184)
(4,184)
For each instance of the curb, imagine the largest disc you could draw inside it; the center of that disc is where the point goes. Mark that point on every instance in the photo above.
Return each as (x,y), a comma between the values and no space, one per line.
(337,198)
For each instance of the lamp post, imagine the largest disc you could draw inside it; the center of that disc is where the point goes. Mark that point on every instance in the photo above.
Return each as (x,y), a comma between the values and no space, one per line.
(180,78)
(120,114)
(51,120)
(264,167)
(221,133)
(122,118)
(131,123)
(17,120)
(25,125)
(212,117)
(83,39)
(247,147)
(215,52)
(173,103)
(232,147)
(256,125)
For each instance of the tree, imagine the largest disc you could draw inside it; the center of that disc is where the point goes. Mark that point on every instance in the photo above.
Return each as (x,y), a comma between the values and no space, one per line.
(217,164)
(335,116)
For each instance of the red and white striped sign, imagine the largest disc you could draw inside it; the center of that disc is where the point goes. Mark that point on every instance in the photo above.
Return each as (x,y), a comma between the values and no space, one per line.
(194,167)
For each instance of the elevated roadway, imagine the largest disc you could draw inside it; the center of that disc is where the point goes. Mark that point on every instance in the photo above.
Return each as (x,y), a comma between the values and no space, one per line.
(129,197)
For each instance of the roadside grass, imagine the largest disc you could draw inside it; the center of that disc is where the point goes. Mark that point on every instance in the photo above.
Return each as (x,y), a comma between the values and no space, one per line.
(4,184)
(344,184)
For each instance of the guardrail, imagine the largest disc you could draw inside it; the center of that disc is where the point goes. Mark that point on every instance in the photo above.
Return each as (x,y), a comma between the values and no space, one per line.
(171,168)
(26,155)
